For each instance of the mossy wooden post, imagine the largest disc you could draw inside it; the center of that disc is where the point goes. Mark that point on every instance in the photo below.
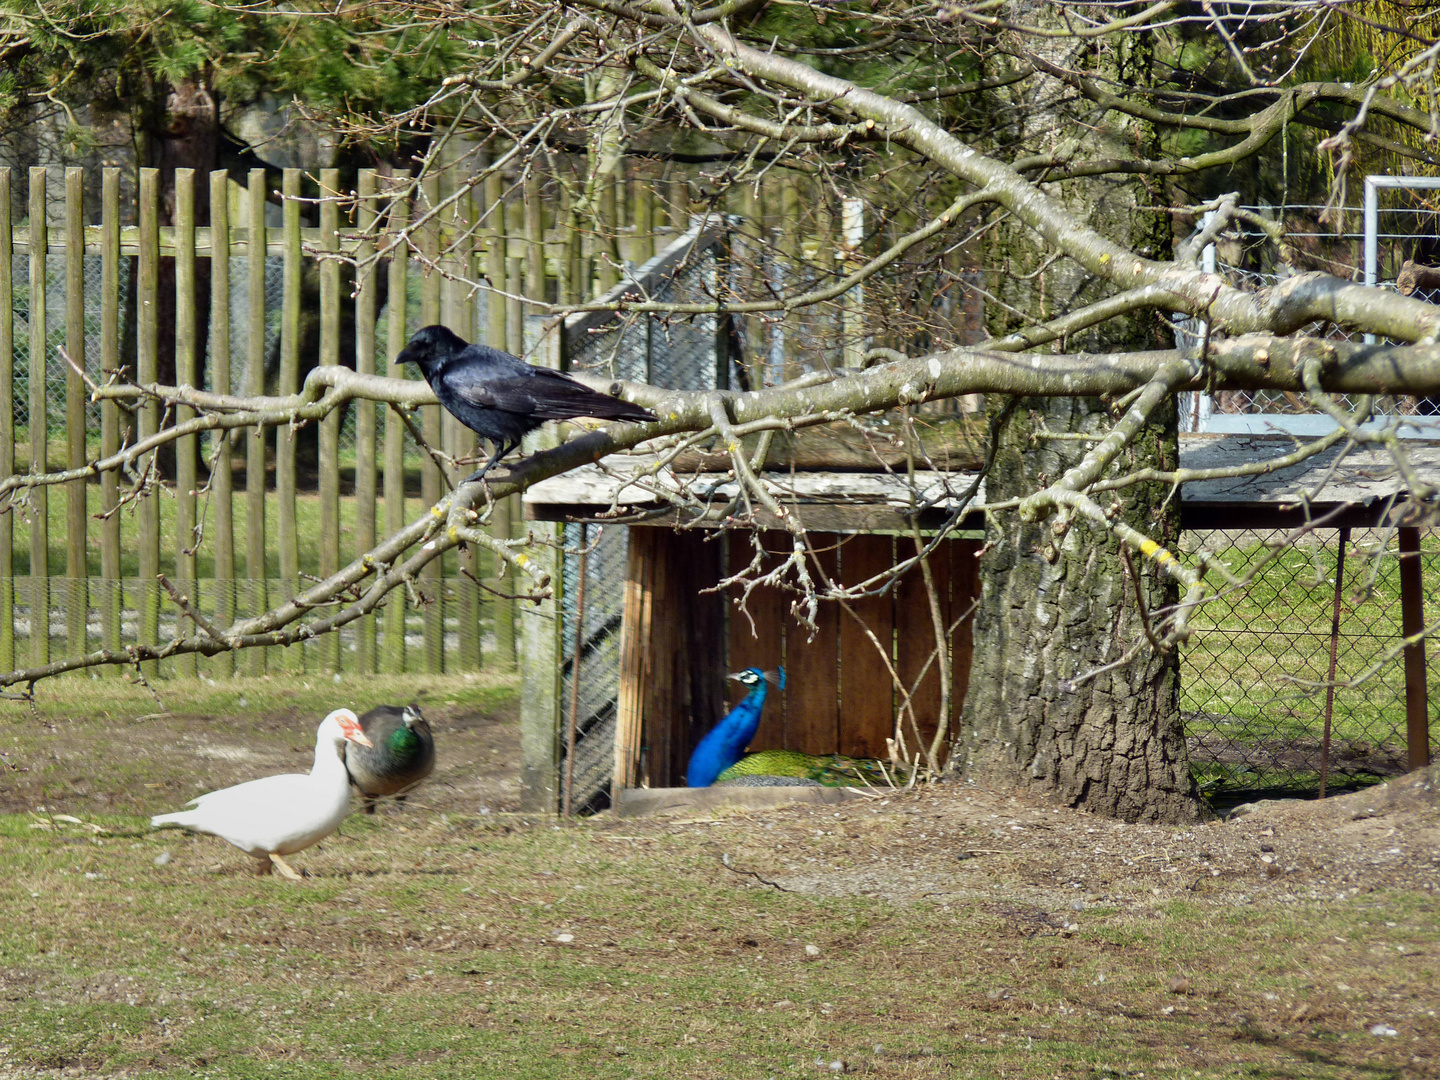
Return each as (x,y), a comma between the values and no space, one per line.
(187,446)
(257,591)
(459,316)
(677,202)
(540,627)
(515,251)
(754,267)
(77,590)
(112,591)
(788,273)
(642,197)
(39,425)
(497,337)
(431,484)
(848,258)
(7,430)
(365,445)
(289,384)
(147,359)
(396,309)
(607,232)
(221,480)
(329,479)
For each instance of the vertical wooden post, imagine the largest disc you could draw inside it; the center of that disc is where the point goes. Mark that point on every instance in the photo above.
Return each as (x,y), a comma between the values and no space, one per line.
(186,447)
(566,246)
(539,629)
(77,591)
(39,429)
(534,235)
(395,333)
(257,577)
(636,613)
(113,594)
(642,198)
(1412,622)
(7,430)
(607,233)
(788,274)
(502,609)
(329,479)
(289,384)
(147,361)
(853,227)
(432,577)
(677,202)
(459,316)
(515,310)
(221,478)
(365,444)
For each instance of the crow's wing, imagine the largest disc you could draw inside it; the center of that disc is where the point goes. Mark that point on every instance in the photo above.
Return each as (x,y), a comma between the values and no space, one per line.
(539,393)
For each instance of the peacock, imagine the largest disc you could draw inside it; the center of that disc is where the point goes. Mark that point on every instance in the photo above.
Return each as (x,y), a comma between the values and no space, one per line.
(402,754)
(725,743)
(774,768)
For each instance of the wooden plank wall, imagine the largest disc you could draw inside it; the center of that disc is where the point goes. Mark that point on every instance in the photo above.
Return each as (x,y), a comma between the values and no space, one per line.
(839,696)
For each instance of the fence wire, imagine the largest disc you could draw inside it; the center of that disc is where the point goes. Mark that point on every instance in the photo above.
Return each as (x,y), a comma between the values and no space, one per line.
(1247,259)
(679,354)
(1254,672)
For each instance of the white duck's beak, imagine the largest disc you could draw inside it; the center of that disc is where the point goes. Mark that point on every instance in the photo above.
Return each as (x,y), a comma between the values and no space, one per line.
(350,728)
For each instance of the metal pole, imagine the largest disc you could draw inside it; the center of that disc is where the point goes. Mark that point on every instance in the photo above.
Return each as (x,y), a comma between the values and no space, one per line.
(1334,650)
(1412,622)
(575,675)
(1372,237)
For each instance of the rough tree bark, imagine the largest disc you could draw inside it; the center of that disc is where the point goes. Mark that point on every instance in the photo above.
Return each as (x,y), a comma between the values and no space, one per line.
(1057,602)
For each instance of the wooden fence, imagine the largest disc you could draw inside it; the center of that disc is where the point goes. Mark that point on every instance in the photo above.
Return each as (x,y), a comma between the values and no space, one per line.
(248,301)
(79,564)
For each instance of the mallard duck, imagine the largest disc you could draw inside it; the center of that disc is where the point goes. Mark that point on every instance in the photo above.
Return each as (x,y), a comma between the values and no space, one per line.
(280,815)
(400,754)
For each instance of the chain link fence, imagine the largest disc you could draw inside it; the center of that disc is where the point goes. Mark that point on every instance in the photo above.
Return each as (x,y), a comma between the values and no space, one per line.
(1248,259)
(1254,674)
(683,353)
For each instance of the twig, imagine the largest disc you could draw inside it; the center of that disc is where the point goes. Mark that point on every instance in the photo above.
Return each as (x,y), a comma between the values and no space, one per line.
(420,442)
(725,862)
(183,603)
(1140,600)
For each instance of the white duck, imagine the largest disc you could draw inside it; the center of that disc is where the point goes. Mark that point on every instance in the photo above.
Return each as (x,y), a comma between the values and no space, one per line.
(280,815)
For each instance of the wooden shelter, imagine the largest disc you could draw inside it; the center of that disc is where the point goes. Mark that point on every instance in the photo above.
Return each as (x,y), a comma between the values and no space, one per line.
(680,631)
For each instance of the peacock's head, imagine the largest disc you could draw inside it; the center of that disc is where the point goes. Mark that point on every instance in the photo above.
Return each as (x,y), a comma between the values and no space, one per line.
(749,678)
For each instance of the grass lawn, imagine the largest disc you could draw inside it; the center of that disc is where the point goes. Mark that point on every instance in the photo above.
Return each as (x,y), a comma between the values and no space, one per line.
(944,933)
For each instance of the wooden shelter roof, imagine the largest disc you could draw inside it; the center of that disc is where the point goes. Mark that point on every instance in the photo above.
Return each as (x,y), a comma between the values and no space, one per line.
(1359,487)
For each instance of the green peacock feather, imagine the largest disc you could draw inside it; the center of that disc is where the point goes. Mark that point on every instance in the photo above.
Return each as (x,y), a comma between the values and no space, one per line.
(830,770)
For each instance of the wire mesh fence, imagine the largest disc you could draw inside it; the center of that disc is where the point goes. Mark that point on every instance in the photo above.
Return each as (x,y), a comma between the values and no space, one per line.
(1248,259)
(681,354)
(1255,673)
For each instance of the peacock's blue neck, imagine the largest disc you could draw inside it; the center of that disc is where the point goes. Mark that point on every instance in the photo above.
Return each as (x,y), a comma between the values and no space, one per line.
(726,742)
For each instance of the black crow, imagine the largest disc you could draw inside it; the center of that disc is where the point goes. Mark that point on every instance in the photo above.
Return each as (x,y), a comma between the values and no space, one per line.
(499,396)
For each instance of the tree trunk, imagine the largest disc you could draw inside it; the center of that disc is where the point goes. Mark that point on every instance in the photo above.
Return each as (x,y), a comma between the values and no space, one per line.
(1055,608)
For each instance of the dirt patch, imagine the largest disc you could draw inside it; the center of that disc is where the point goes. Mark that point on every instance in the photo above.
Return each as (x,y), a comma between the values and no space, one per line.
(959,841)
